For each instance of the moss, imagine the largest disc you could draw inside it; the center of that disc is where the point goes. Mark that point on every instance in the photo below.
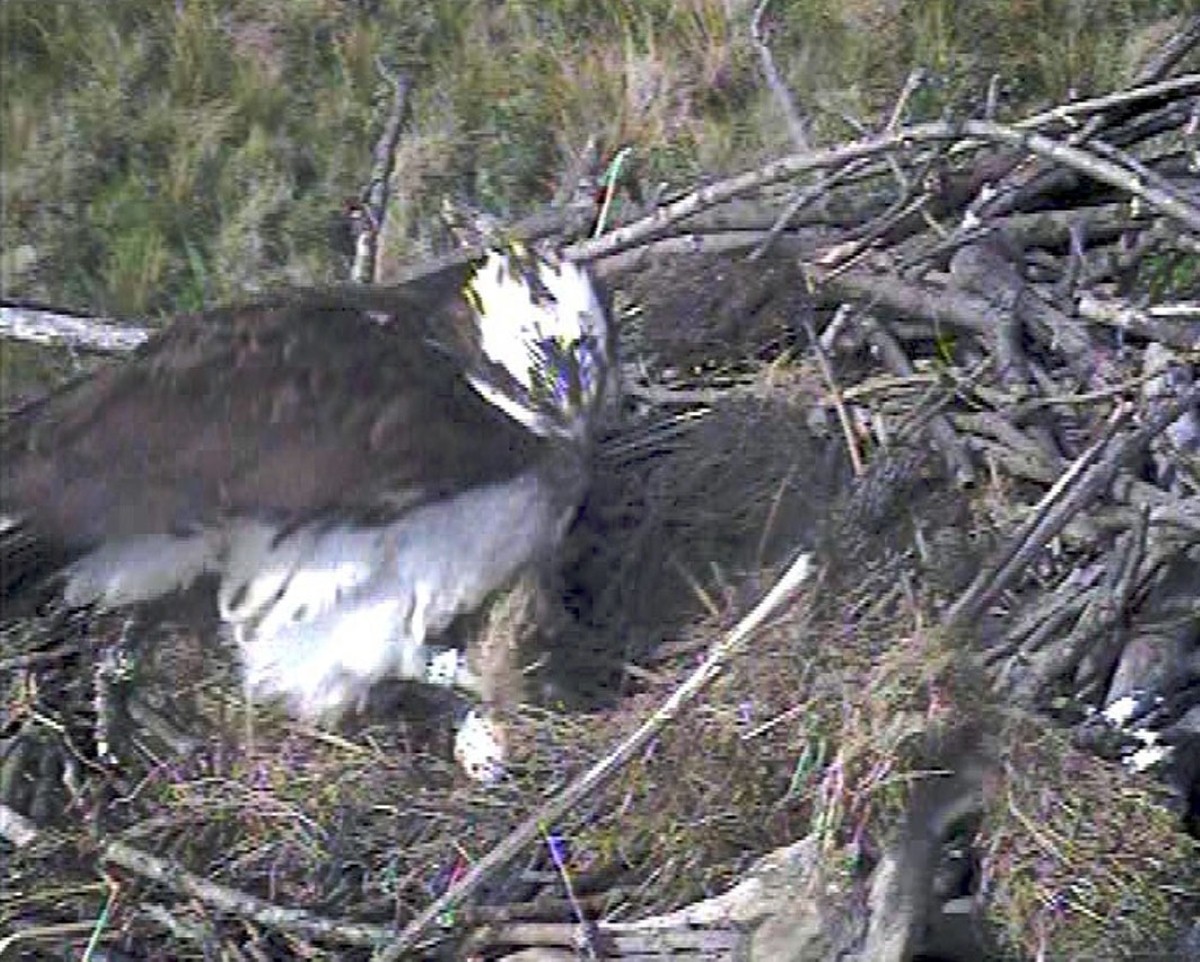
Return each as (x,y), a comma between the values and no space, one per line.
(1083,860)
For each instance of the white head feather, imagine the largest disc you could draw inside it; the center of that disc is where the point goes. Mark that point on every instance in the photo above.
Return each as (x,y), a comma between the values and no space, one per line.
(534,315)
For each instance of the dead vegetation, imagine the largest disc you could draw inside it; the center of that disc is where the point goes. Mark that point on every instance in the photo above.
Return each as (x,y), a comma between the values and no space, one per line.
(993,326)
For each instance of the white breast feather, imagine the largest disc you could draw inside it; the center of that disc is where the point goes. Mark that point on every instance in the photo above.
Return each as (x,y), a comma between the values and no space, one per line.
(256,568)
(321,615)
(140,569)
(320,667)
(336,563)
(358,608)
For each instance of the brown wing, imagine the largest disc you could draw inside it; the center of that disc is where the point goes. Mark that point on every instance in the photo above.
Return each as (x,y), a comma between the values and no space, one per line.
(310,403)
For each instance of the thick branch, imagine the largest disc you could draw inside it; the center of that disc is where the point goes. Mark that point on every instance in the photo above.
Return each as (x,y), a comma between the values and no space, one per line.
(55,328)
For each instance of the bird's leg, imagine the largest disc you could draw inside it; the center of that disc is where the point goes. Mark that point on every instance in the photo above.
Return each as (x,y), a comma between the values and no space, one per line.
(500,644)
(512,627)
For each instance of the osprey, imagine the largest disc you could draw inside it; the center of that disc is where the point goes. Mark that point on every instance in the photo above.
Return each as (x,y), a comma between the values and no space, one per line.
(357,467)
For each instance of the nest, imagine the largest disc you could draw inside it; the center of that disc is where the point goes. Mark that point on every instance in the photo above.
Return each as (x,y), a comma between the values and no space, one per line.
(975,454)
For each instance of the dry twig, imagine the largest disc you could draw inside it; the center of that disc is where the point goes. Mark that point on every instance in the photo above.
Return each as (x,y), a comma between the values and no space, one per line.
(605,768)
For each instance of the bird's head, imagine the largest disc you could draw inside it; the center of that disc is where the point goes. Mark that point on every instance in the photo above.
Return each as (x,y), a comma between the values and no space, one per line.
(546,336)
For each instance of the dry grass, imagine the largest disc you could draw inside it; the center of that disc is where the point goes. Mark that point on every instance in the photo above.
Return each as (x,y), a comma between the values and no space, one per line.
(1082,860)
(249,132)
(822,725)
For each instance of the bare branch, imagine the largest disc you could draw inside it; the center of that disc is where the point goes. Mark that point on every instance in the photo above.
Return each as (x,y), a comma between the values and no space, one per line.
(1182,331)
(971,134)
(941,430)
(1087,478)
(375,196)
(240,903)
(55,328)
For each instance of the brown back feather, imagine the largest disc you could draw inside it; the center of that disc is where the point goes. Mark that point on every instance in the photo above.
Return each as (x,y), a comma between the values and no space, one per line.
(291,408)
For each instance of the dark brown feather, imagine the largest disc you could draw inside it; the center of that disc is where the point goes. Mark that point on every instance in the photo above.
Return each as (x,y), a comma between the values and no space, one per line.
(310,403)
